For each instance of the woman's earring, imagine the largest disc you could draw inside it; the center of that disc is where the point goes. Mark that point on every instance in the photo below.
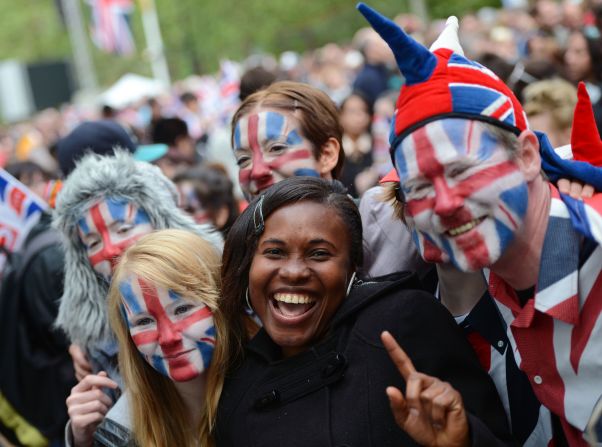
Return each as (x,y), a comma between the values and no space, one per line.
(350,284)
(249,308)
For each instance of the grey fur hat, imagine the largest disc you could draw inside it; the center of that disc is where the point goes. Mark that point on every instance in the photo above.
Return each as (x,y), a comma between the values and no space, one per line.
(82,312)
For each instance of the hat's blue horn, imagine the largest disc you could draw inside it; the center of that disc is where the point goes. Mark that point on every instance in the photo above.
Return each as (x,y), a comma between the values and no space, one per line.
(415,62)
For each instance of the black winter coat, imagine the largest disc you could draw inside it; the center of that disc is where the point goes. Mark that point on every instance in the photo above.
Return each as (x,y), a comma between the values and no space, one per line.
(334,393)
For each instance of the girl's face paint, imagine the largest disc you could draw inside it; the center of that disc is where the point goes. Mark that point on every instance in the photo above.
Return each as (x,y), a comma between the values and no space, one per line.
(269,147)
(108,228)
(175,335)
(465,197)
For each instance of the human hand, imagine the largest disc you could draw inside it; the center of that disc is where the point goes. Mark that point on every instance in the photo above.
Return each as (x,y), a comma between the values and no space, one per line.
(87,406)
(575,189)
(81,365)
(432,411)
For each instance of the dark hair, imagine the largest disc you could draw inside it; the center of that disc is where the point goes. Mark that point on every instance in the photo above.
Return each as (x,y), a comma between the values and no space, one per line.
(241,243)
(187,97)
(594,48)
(168,130)
(317,114)
(361,95)
(214,190)
(254,80)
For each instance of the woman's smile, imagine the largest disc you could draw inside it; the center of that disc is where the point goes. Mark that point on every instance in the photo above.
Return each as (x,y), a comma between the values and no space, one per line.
(299,273)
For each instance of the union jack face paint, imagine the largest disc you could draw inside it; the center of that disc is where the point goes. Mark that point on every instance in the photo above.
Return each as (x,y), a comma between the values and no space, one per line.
(465,197)
(108,228)
(269,148)
(175,335)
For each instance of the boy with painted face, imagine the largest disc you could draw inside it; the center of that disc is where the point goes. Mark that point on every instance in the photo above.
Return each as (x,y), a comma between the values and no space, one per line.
(288,129)
(471,189)
(107,203)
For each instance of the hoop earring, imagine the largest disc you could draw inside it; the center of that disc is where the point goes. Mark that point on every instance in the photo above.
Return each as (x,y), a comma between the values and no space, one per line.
(350,284)
(249,307)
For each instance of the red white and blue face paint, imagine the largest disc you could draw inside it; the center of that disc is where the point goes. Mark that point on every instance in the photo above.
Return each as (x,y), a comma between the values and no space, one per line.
(108,228)
(465,197)
(269,147)
(175,335)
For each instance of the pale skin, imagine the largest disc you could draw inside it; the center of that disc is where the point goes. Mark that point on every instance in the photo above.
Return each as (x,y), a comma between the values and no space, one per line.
(81,365)
(527,245)
(87,406)
(431,412)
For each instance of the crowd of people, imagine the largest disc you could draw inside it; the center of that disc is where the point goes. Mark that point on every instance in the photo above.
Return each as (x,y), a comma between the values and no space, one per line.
(394,242)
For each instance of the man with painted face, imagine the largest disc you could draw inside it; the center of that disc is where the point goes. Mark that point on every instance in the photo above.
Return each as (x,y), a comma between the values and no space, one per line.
(107,204)
(471,188)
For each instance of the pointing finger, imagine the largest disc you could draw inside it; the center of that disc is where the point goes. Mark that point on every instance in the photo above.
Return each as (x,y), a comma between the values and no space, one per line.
(398,356)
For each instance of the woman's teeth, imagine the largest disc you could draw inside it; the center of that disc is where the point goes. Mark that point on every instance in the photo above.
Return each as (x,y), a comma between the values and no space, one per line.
(292,298)
(464,228)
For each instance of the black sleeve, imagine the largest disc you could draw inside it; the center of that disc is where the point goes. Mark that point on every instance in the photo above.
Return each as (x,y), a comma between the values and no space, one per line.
(42,288)
(437,347)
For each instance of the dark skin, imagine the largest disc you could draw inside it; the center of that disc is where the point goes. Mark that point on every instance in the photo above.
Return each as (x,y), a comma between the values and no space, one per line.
(432,411)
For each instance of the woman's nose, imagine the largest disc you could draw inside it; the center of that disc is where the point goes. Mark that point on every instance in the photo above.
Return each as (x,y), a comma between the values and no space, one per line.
(294,270)
(168,334)
(260,168)
(447,199)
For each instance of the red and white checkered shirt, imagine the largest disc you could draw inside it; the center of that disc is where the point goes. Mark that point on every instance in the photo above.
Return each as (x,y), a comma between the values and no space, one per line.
(557,334)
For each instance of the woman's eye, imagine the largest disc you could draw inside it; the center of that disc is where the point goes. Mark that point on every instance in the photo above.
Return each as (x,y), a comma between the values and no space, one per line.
(277,149)
(272,252)
(243,161)
(456,172)
(145,321)
(92,244)
(124,229)
(183,309)
(320,254)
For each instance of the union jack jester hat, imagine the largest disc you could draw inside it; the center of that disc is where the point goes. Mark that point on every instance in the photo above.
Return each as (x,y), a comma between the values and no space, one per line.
(442,83)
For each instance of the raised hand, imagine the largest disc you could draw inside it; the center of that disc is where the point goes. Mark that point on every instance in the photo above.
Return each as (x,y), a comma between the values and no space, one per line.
(432,411)
(87,406)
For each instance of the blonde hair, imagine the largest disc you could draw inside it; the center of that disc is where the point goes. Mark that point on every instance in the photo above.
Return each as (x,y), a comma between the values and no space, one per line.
(556,96)
(185,263)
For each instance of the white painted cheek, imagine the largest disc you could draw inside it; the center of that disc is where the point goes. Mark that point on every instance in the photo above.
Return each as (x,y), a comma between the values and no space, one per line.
(148,350)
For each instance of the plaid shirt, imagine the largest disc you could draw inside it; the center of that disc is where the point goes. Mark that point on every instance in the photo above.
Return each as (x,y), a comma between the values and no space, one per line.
(557,335)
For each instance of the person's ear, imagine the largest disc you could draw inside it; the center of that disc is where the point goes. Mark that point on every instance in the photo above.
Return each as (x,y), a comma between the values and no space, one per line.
(329,157)
(527,156)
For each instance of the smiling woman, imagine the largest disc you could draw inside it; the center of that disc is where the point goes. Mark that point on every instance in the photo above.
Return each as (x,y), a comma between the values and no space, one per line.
(318,365)
(163,306)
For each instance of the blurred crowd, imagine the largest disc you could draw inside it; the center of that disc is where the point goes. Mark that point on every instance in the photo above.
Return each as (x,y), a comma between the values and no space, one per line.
(541,51)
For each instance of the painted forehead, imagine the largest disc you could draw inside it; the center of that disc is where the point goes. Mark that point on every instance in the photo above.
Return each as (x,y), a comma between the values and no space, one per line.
(444,141)
(266,126)
(112,210)
(141,296)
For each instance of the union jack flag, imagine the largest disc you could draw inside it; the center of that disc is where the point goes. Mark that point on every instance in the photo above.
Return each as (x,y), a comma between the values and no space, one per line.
(111,30)
(20,209)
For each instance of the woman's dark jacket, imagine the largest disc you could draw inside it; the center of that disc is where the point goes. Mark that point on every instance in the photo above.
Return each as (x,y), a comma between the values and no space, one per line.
(334,393)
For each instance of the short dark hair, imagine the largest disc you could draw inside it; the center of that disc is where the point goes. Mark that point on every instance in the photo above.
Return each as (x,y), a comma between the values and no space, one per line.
(242,239)
(168,130)
(254,80)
